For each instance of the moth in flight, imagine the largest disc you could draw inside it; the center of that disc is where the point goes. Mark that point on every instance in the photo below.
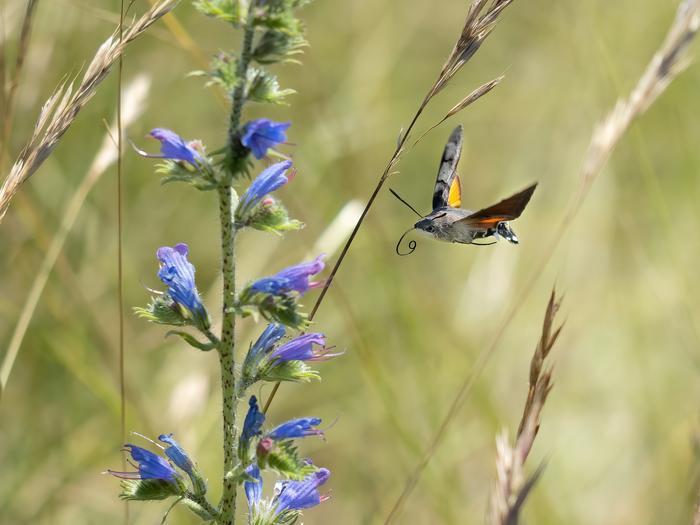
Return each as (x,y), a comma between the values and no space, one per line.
(450,222)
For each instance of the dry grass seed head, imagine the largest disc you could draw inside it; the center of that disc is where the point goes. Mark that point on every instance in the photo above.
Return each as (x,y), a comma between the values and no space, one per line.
(60,110)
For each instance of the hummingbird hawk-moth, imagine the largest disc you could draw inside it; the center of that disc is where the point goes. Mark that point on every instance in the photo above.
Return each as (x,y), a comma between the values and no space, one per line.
(450,222)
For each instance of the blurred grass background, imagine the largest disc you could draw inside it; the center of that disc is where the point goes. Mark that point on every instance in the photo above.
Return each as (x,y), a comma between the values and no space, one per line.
(620,427)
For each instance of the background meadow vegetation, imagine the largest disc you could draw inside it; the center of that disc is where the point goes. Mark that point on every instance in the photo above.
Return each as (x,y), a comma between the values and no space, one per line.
(619,432)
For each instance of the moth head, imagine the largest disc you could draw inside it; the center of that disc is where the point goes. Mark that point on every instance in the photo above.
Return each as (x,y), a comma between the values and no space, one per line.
(426,226)
(433,223)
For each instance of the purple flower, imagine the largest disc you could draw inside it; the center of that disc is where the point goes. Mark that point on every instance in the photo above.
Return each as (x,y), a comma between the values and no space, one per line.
(150,466)
(298,495)
(261,134)
(254,420)
(173,147)
(271,179)
(292,279)
(178,274)
(296,428)
(177,454)
(302,348)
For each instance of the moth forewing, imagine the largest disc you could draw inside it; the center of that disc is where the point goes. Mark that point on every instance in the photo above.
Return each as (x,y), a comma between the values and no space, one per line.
(508,209)
(448,168)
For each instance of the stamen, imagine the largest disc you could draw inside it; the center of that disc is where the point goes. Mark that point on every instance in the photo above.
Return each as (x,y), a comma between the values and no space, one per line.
(149,439)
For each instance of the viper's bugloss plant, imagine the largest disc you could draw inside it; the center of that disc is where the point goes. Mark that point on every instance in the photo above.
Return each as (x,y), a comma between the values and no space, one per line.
(270,34)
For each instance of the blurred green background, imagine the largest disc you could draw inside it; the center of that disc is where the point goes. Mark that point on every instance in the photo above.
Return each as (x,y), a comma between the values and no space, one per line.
(619,430)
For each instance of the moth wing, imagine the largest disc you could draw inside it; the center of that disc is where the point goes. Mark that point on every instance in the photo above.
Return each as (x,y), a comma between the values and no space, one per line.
(507,210)
(454,200)
(448,169)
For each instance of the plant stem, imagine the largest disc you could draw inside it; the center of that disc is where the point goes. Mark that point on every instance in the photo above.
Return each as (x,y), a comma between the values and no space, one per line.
(238,96)
(227,204)
(204,503)
(227,352)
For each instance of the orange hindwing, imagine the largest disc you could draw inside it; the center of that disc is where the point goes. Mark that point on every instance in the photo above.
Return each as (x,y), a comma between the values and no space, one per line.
(455,198)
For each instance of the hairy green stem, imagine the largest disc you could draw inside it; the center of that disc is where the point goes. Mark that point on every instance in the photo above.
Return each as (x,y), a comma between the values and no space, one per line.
(238,95)
(226,347)
(202,501)
(227,352)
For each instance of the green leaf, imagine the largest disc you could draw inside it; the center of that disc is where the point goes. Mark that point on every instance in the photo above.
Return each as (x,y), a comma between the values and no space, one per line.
(272,217)
(163,310)
(148,489)
(230,11)
(198,510)
(224,71)
(192,341)
(284,459)
(263,86)
(280,308)
(287,517)
(204,178)
(295,371)
(278,46)
(279,15)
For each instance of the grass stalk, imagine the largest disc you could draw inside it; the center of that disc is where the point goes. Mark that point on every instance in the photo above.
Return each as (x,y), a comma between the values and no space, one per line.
(9,97)
(135,95)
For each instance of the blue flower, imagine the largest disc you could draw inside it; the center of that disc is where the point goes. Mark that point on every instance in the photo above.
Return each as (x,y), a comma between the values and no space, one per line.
(298,495)
(254,420)
(273,332)
(289,496)
(177,454)
(292,279)
(296,428)
(253,489)
(150,466)
(262,347)
(302,348)
(271,179)
(178,274)
(173,147)
(261,134)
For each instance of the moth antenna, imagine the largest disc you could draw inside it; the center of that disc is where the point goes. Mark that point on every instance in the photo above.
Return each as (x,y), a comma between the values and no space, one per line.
(411,244)
(406,203)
